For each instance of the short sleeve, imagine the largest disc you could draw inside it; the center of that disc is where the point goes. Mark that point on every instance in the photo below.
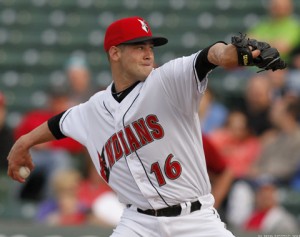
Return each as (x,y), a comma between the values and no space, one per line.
(74,123)
(181,84)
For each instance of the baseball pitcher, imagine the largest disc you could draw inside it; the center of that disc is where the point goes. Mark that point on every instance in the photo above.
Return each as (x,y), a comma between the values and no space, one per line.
(143,132)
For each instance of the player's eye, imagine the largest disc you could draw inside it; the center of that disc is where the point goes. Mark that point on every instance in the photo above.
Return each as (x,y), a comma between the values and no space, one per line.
(143,47)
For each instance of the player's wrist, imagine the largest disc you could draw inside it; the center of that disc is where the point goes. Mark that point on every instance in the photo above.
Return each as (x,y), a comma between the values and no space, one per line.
(215,53)
(24,142)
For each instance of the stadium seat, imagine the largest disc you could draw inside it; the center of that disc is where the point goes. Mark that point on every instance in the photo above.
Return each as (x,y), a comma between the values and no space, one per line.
(39,35)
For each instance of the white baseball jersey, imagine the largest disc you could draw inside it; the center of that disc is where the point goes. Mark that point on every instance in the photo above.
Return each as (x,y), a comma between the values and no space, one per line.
(149,146)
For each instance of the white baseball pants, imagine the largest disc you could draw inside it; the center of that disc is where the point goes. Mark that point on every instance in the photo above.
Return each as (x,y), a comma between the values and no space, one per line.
(203,223)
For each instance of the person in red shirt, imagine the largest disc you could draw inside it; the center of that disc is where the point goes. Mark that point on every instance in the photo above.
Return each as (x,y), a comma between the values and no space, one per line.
(237,144)
(80,200)
(91,187)
(49,157)
(64,208)
(269,215)
(221,176)
(58,102)
(98,199)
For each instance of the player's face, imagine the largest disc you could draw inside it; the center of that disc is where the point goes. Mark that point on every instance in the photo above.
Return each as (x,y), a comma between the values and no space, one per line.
(137,60)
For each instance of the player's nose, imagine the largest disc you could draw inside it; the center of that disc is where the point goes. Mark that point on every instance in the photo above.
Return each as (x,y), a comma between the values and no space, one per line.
(148,53)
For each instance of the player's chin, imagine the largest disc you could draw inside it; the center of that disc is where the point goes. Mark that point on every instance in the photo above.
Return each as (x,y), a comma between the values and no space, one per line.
(144,75)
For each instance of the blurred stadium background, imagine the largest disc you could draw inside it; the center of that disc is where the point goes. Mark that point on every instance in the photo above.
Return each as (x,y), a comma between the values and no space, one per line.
(38,36)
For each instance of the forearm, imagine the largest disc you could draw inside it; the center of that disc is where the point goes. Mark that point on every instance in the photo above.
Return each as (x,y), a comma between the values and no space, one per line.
(39,135)
(223,55)
(218,54)
(226,55)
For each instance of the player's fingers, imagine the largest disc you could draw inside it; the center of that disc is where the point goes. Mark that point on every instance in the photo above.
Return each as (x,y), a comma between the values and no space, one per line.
(16,160)
(255,53)
(15,175)
(12,170)
(30,164)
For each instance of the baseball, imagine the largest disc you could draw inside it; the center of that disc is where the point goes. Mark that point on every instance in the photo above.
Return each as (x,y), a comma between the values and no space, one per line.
(24,172)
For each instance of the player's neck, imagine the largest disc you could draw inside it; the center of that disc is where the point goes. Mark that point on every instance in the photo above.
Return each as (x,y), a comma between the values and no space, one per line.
(119,88)
(120,95)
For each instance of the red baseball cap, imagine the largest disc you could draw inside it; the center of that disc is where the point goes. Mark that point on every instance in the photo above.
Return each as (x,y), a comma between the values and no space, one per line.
(130,30)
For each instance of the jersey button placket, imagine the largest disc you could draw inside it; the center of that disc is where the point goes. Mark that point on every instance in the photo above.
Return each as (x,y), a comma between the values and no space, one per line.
(139,176)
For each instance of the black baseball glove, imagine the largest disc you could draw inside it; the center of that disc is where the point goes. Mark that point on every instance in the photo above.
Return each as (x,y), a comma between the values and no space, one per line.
(269,58)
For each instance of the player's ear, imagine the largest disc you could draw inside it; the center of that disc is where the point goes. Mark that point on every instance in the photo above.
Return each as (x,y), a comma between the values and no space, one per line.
(114,53)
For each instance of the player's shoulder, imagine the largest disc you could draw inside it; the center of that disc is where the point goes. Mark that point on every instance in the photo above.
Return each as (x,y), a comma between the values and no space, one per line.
(100,95)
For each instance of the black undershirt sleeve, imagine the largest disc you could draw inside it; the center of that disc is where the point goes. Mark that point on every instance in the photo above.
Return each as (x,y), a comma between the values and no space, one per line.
(203,66)
(53,124)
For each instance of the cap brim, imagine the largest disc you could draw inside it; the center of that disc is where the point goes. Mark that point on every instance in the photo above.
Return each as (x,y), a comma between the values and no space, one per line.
(157,41)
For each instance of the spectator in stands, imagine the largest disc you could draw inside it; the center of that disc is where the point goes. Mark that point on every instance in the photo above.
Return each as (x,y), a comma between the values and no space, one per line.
(269,216)
(91,186)
(79,80)
(281,29)
(279,82)
(258,99)
(293,82)
(212,113)
(236,143)
(261,91)
(48,157)
(6,135)
(98,199)
(64,208)
(279,159)
(220,174)
(79,200)
(295,58)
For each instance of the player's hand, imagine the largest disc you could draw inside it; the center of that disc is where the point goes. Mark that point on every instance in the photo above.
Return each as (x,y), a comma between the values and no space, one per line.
(268,59)
(231,58)
(19,156)
(255,53)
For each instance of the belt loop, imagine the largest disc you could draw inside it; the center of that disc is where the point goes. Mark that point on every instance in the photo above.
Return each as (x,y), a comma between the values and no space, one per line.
(188,207)
(183,208)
